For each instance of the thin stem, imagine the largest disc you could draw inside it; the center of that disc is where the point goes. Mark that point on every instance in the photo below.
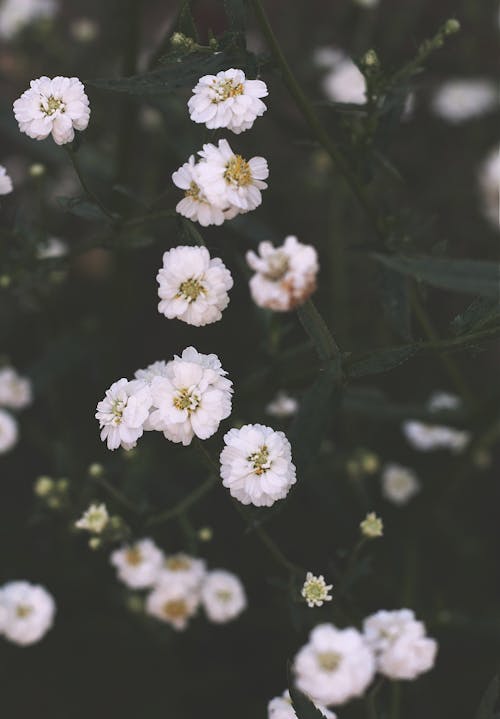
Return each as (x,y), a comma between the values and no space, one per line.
(395,700)
(83,183)
(318,331)
(181,507)
(371,711)
(116,494)
(312,119)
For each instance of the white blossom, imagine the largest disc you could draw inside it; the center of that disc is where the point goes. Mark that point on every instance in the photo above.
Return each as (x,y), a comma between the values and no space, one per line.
(193,287)
(489,185)
(402,649)
(223,596)
(316,591)
(183,570)
(334,666)
(27,612)
(281,708)
(256,465)
(285,276)
(399,484)
(9,432)
(192,399)
(94,519)
(123,412)
(227,99)
(15,391)
(16,14)
(56,106)
(173,603)
(52,249)
(156,369)
(5,181)
(195,204)
(463,99)
(372,527)
(427,437)
(138,564)
(344,81)
(282,406)
(228,180)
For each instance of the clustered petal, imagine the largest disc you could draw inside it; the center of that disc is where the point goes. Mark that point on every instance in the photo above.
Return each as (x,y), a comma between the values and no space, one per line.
(26,612)
(123,412)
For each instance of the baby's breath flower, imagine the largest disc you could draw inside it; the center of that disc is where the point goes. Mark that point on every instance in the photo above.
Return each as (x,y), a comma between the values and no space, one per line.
(205,534)
(94,519)
(316,591)
(372,526)
(96,470)
(43,486)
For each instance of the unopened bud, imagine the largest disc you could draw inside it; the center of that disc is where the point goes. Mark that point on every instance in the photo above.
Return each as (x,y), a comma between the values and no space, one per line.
(372,526)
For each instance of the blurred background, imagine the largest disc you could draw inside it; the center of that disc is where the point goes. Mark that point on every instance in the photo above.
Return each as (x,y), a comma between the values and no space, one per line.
(76,323)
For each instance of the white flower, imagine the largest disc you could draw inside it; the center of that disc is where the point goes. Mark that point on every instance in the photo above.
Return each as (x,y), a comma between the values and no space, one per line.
(94,519)
(463,99)
(15,391)
(5,182)
(440,401)
(8,432)
(193,286)
(27,612)
(138,564)
(227,99)
(316,591)
(372,527)
(52,249)
(123,412)
(16,14)
(157,369)
(195,204)
(399,642)
(427,437)
(345,81)
(367,3)
(334,666)
(489,184)
(181,569)
(281,708)
(399,484)
(192,399)
(256,465)
(282,406)
(223,596)
(173,603)
(285,276)
(58,106)
(228,180)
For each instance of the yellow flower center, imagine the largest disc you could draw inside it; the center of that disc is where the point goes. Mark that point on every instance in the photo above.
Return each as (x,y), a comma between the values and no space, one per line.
(329,661)
(223,595)
(193,191)
(175,609)
(260,460)
(177,564)
(186,399)
(133,556)
(191,289)
(227,89)
(277,266)
(51,105)
(23,610)
(238,172)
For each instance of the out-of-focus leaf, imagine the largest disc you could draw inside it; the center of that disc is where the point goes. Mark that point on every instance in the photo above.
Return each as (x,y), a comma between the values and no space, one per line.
(396,302)
(304,708)
(480,313)
(81,207)
(382,360)
(470,276)
(486,709)
(318,331)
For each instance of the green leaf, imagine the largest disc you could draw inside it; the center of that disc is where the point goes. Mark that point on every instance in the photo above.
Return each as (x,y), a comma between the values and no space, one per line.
(486,709)
(380,361)
(479,314)
(396,302)
(470,276)
(318,331)
(304,708)
(81,207)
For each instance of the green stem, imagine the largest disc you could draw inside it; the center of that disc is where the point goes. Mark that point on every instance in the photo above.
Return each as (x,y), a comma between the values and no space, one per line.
(395,700)
(182,506)
(117,495)
(83,183)
(129,109)
(318,331)
(371,711)
(312,119)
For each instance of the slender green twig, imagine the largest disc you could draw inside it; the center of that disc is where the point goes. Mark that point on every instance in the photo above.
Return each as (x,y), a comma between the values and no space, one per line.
(117,495)
(83,183)
(395,700)
(185,503)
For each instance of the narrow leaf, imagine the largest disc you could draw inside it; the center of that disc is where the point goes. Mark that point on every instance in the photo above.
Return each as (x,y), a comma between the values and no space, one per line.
(382,360)
(479,314)
(81,207)
(304,708)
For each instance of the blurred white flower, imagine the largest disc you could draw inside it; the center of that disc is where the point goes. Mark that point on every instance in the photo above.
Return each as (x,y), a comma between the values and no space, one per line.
(94,519)
(84,29)
(316,591)
(16,14)
(181,569)
(27,612)
(192,399)
(399,484)
(9,432)
(334,666)
(227,99)
(193,287)
(138,564)
(285,276)
(223,596)
(281,708)
(283,405)
(440,401)
(463,99)
(173,603)
(157,369)
(402,649)
(256,465)
(15,391)
(344,81)
(5,182)
(123,412)
(56,106)
(228,180)
(195,204)
(51,249)
(427,437)
(489,185)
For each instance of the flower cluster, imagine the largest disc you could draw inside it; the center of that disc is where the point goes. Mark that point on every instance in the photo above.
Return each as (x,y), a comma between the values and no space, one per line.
(15,394)
(179,584)
(188,396)
(26,612)
(285,276)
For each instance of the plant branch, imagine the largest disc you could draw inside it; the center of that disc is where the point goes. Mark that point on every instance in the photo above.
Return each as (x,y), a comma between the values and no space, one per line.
(86,188)
(181,507)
